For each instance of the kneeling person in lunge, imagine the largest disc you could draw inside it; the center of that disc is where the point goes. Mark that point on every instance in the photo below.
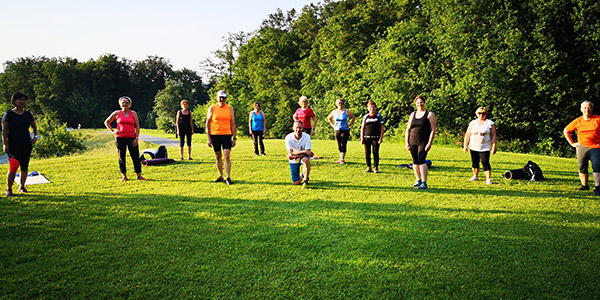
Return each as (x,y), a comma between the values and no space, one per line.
(299,147)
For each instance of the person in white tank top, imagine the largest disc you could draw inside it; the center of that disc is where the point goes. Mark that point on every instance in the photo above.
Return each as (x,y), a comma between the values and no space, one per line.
(480,139)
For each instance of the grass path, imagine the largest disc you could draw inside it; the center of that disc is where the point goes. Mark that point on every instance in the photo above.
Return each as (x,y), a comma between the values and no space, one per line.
(348,235)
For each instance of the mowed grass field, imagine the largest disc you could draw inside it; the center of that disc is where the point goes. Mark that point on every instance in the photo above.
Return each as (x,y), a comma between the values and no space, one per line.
(348,235)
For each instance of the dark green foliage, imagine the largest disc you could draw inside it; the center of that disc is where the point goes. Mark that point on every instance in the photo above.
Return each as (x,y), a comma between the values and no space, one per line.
(55,140)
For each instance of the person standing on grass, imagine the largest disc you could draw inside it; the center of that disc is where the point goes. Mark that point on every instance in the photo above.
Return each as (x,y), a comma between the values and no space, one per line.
(338,119)
(221,129)
(126,135)
(17,140)
(185,128)
(257,125)
(298,145)
(305,114)
(420,133)
(480,139)
(587,146)
(371,135)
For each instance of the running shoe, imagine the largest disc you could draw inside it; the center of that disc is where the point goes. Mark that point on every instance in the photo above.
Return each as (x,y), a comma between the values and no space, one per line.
(474,178)
(583,188)
(141,178)
(488,181)
(368,170)
(9,192)
(376,171)
(341,161)
(228,181)
(264,154)
(23,190)
(124,178)
(417,183)
(219,179)
(423,186)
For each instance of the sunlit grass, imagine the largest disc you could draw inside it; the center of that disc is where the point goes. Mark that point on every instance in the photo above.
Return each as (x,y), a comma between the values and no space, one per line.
(349,234)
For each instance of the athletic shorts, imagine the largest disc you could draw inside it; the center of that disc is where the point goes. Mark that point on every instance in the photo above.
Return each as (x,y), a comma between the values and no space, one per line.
(221,141)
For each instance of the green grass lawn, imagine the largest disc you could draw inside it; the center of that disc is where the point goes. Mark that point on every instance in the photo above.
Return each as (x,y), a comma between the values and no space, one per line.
(348,235)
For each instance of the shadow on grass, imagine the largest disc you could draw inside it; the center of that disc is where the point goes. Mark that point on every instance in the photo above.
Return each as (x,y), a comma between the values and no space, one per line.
(99,245)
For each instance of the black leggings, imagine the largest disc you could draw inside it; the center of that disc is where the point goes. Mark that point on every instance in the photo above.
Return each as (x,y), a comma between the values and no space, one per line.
(257,137)
(418,154)
(372,143)
(341,137)
(484,157)
(182,137)
(134,152)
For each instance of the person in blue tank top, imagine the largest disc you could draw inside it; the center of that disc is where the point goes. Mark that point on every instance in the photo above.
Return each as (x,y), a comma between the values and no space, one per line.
(257,125)
(338,119)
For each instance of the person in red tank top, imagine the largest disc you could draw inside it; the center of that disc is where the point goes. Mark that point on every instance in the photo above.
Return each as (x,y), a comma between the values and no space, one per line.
(127,134)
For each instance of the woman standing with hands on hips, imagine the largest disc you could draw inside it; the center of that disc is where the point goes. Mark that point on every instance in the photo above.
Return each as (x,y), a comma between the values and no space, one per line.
(257,125)
(127,134)
(185,128)
(480,138)
(338,118)
(420,133)
(18,143)
(306,114)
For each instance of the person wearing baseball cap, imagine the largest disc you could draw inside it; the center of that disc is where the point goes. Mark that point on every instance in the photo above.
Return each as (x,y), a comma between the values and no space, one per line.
(221,131)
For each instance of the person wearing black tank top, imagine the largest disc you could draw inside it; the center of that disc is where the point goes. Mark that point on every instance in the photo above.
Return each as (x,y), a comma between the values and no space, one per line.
(185,128)
(420,133)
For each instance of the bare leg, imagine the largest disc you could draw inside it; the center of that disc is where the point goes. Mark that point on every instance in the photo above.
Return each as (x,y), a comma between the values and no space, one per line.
(181,152)
(417,171)
(424,172)
(584,179)
(23,178)
(227,154)
(597,178)
(342,155)
(306,171)
(219,156)
(488,174)
(476,172)
(10,179)
(189,152)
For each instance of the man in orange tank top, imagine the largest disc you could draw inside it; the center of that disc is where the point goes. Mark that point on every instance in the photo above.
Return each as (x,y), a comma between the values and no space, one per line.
(221,131)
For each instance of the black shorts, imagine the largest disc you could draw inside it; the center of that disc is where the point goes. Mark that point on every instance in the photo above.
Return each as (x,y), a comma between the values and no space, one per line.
(418,154)
(221,141)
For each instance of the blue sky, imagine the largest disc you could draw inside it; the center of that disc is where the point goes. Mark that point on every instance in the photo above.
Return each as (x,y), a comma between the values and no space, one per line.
(185,32)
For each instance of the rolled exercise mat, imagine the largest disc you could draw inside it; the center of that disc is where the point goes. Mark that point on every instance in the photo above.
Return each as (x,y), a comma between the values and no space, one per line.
(157,161)
(514,174)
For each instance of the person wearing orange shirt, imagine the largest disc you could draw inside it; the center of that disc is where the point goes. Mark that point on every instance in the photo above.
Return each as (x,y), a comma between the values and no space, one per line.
(587,145)
(221,129)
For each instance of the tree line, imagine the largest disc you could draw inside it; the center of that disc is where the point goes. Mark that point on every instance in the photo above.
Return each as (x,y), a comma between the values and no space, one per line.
(531,62)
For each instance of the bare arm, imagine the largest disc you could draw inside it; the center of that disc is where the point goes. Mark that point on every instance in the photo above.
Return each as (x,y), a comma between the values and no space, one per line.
(177,121)
(137,128)
(233,127)
(110,119)
(250,122)
(431,118)
(208,117)
(352,118)
(570,139)
(493,134)
(381,135)
(264,122)
(35,132)
(467,139)
(407,134)
(329,118)
(191,122)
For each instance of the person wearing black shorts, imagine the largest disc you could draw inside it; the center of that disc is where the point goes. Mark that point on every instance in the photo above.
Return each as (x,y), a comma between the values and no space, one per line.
(17,140)
(420,132)
(221,131)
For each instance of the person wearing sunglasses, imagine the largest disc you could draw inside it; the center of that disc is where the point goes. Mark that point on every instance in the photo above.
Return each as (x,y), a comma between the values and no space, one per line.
(221,131)
(480,140)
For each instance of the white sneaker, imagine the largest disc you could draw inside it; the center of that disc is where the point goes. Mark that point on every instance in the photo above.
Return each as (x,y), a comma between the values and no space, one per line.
(488,181)
(474,178)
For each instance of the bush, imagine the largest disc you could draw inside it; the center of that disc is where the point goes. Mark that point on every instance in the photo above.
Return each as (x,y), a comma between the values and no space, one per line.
(55,140)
